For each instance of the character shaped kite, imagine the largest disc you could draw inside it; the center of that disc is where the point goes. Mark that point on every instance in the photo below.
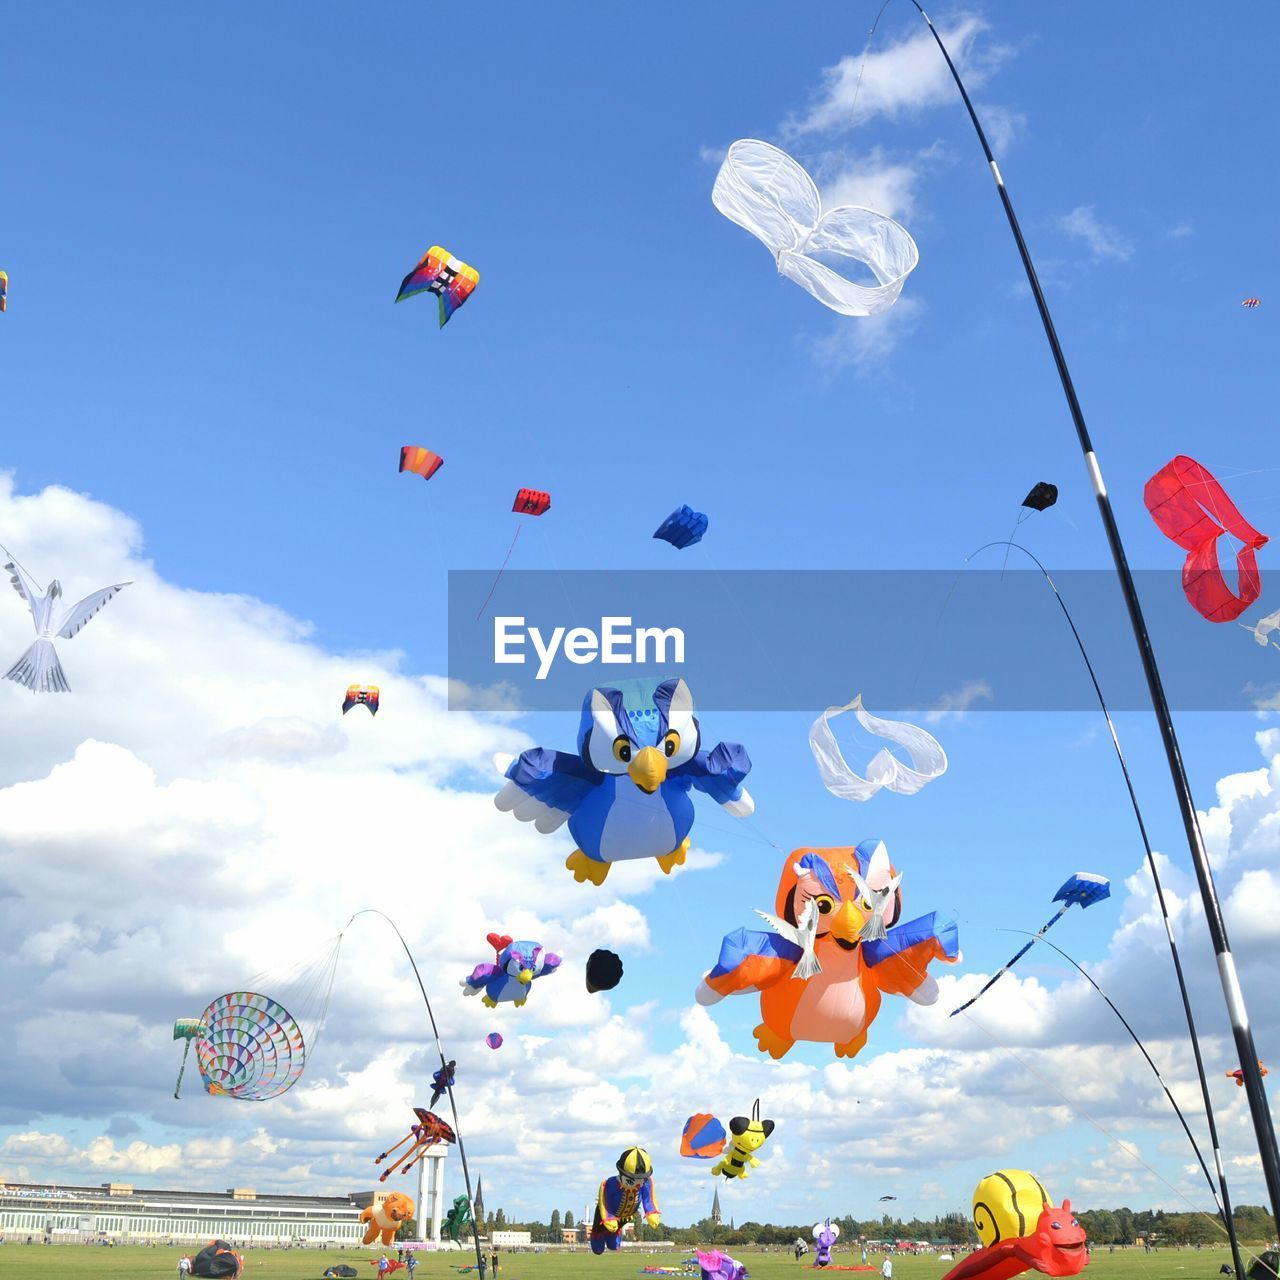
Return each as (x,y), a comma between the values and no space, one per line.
(510,979)
(428,1132)
(39,669)
(383,1222)
(825,1234)
(822,972)
(626,794)
(631,1188)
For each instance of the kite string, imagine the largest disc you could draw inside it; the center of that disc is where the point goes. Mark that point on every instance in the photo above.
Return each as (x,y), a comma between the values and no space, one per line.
(21,566)
(866,49)
(501,571)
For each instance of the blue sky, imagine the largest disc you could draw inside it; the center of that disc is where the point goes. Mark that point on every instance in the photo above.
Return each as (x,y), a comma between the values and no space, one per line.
(205,221)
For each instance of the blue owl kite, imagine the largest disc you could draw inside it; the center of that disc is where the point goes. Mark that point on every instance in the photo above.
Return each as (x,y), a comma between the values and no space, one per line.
(626,794)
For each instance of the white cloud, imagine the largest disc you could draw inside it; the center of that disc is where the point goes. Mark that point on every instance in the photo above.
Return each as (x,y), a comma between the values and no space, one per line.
(1104,240)
(902,77)
(961,701)
(867,343)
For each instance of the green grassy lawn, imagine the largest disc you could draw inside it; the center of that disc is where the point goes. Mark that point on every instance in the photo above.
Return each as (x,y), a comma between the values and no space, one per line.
(81,1262)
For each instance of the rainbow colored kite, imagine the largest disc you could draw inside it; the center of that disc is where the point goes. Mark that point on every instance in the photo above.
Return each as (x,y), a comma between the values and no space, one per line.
(439,272)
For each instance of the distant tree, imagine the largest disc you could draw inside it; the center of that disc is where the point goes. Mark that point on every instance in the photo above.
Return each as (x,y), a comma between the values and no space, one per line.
(500,1220)
(408,1229)
(568,1217)
(555,1223)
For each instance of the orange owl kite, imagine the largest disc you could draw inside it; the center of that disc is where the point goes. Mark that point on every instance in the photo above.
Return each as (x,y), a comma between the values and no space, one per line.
(836,947)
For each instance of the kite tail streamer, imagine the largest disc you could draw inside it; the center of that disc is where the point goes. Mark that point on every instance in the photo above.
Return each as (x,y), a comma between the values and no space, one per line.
(991,982)
(1224,1203)
(177,1088)
(1246,1049)
(501,571)
(476,1227)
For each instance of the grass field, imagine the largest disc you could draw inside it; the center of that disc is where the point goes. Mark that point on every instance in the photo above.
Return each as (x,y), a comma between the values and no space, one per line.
(83,1262)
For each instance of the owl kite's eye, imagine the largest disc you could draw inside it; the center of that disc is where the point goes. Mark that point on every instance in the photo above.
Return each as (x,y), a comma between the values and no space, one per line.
(825,904)
(671,743)
(621,749)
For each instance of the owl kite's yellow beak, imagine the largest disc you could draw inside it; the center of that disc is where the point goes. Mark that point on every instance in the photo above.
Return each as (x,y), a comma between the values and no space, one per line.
(525,976)
(648,770)
(845,924)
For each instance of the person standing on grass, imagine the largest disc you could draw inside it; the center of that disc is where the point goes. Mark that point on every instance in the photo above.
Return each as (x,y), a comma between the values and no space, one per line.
(886,1269)
(412,1263)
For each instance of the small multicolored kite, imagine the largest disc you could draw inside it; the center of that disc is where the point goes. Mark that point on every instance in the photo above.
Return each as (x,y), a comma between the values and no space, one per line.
(422,462)
(4,291)
(493,1040)
(361,695)
(1251,303)
(439,272)
(1238,1074)
(531,502)
(703,1138)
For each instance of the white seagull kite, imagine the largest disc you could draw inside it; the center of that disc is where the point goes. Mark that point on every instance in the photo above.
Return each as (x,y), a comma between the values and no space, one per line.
(39,669)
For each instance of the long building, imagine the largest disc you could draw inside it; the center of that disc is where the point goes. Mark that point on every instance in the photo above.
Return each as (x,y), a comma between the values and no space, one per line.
(119,1211)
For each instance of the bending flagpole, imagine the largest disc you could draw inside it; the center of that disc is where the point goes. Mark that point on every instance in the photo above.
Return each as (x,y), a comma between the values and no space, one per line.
(1243,1033)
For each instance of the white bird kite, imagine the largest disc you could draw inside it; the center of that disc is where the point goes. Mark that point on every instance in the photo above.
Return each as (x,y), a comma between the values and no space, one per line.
(39,669)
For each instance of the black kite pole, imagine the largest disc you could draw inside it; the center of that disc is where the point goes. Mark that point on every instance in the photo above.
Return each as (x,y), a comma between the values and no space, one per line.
(1245,1050)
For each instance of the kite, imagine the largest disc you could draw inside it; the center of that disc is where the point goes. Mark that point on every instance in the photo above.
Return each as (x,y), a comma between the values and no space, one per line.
(439,272)
(748,1137)
(928,760)
(682,528)
(386,1266)
(626,794)
(428,1132)
(4,291)
(825,1234)
(822,971)
(422,462)
(1084,888)
(1238,1074)
(620,1196)
(493,1040)
(187,1029)
(442,1081)
(361,695)
(766,192)
(217,1261)
(253,1049)
(715,1265)
(509,980)
(1250,303)
(1192,508)
(531,502)
(459,1216)
(888,1197)
(604,971)
(1263,628)
(384,1220)
(1042,496)
(1021,1230)
(703,1137)
(39,669)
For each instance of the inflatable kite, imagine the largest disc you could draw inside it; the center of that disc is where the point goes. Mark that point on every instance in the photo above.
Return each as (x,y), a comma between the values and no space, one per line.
(765,191)
(252,1049)
(626,794)
(1192,508)
(1042,496)
(703,1137)
(493,1040)
(1238,1074)
(509,980)
(459,1216)
(531,502)
(682,528)
(1264,628)
(39,669)
(745,1138)
(384,1220)
(604,971)
(186,1029)
(422,462)
(822,972)
(428,1132)
(1249,303)
(4,291)
(1084,888)
(715,1265)
(361,695)
(631,1188)
(928,760)
(1021,1231)
(218,1261)
(386,1266)
(442,1081)
(825,1234)
(439,272)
